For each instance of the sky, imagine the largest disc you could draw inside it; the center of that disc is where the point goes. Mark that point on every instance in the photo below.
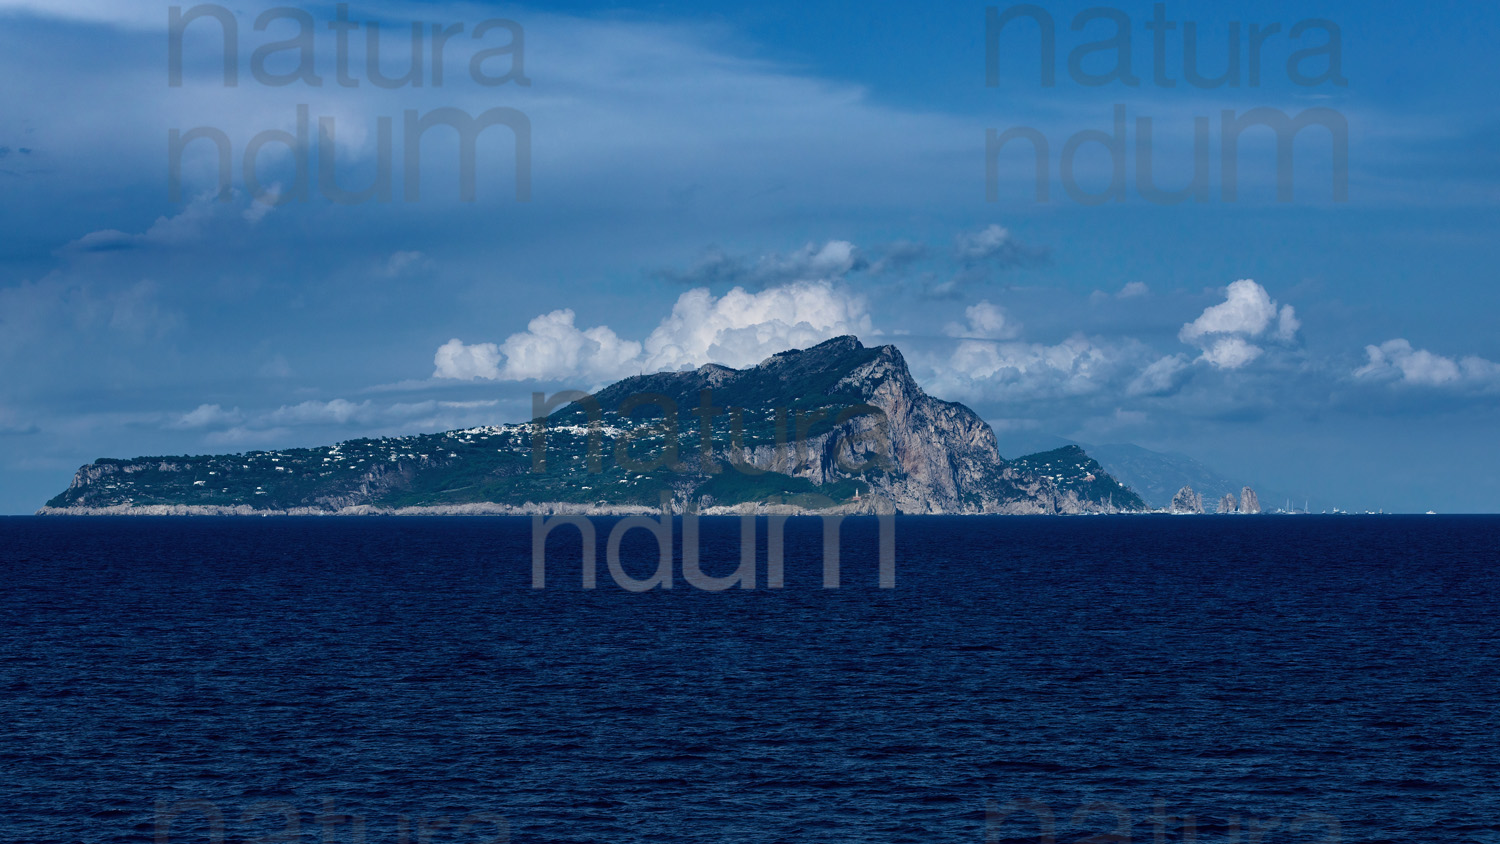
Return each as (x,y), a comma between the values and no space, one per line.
(663,185)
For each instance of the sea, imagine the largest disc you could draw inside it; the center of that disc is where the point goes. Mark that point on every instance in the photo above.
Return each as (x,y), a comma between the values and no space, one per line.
(1050,679)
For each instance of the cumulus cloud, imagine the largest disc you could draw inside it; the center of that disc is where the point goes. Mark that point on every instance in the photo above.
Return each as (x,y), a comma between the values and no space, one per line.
(552,347)
(739,329)
(454,359)
(1231,352)
(985,321)
(1247,309)
(1397,361)
(1224,331)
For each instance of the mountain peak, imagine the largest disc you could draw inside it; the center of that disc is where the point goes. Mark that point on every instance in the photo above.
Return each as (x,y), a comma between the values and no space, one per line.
(843,343)
(835,346)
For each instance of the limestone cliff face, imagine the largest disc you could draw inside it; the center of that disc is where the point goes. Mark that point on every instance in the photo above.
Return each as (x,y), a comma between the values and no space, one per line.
(1227,504)
(1187,501)
(942,457)
(1249,502)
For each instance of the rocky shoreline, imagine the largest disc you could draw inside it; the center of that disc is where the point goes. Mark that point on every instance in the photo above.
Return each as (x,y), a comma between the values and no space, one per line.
(547,509)
(486,509)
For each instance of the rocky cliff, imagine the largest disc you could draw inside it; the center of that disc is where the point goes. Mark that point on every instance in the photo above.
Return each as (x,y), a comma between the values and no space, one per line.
(1249,502)
(837,426)
(1187,501)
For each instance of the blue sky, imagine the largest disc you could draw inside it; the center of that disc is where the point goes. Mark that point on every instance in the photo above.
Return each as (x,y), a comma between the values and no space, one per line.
(717,182)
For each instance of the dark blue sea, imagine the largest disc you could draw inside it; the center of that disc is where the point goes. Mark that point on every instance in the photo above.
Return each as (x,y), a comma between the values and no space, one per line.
(1271,679)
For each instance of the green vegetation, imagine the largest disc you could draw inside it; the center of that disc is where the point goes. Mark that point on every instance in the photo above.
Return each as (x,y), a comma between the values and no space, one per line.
(732,487)
(1072,469)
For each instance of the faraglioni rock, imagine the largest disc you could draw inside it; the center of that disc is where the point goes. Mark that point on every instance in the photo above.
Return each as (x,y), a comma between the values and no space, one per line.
(1227,504)
(838,427)
(1249,503)
(1187,501)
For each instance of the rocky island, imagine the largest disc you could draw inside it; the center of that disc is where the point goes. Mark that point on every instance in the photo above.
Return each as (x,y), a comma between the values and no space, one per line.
(1189,502)
(839,427)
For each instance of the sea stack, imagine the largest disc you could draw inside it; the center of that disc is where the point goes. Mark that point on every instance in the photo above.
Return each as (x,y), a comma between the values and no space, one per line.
(1227,504)
(1187,501)
(1248,502)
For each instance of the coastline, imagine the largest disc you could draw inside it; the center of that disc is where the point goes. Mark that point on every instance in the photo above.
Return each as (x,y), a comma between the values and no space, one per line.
(861,508)
(485,509)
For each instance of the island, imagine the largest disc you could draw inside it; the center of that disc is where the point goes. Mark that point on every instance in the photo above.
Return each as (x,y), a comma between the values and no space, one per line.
(838,427)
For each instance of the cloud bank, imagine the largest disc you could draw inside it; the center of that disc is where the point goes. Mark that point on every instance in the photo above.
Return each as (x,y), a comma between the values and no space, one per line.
(1398,362)
(739,329)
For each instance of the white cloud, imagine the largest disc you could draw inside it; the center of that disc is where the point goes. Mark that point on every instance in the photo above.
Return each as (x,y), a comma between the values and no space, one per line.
(1397,361)
(1231,352)
(738,329)
(741,329)
(1287,324)
(209,416)
(834,259)
(989,242)
(1247,309)
(985,322)
(553,348)
(456,360)
(1224,331)
(990,363)
(1018,371)
(1160,378)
